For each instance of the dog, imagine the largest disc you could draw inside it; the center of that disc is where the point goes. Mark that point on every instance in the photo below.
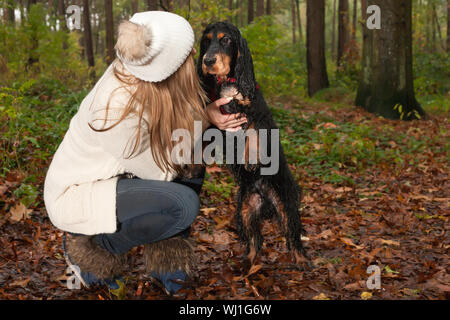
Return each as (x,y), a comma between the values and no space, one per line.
(225,68)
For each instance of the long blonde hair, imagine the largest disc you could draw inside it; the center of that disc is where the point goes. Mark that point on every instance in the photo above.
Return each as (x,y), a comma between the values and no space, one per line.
(170,104)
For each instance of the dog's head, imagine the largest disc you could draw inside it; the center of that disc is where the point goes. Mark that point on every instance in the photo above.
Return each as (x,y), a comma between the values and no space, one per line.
(224,54)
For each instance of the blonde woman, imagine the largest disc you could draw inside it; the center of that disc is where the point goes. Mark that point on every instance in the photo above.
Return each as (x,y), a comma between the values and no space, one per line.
(112,184)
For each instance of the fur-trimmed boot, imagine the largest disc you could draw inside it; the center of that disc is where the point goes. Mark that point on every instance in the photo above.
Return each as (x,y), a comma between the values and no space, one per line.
(92,264)
(170,261)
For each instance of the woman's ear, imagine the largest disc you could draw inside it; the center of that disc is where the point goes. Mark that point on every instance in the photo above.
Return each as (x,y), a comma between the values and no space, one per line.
(245,76)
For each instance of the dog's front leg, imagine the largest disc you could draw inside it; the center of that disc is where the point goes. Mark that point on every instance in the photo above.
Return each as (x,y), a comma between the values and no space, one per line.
(249,224)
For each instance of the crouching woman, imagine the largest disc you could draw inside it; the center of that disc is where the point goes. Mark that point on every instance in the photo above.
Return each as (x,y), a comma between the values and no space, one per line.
(112,184)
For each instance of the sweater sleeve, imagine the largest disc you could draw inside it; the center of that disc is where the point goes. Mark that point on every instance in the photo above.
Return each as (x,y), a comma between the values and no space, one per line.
(119,141)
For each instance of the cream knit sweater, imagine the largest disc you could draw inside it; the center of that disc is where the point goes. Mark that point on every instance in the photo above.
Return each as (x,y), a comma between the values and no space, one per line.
(80,185)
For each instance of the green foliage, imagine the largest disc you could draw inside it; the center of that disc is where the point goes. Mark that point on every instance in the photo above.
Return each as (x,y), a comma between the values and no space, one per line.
(34,117)
(432,80)
(34,49)
(327,147)
(280,67)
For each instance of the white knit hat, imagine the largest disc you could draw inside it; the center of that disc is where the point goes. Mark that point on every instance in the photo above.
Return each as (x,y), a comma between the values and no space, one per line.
(154,44)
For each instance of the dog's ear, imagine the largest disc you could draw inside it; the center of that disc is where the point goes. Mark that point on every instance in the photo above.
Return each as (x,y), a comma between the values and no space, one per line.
(243,71)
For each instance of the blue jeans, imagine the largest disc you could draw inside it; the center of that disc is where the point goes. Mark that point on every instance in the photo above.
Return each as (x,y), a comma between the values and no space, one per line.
(149,211)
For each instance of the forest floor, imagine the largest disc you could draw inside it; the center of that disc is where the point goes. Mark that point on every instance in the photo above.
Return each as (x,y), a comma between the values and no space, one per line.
(375,192)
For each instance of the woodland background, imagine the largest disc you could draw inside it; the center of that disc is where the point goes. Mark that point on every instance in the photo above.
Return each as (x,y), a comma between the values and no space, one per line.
(376,187)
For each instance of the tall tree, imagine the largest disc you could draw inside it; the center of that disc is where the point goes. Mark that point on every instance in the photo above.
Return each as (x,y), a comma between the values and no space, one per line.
(110,54)
(299,21)
(294,24)
(315,44)
(152,5)
(269,7)
(386,82)
(448,25)
(259,8)
(355,18)
(135,6)
(343,30)
(11,14)
(333,32)
(241,13)
(250,11)
(88,36)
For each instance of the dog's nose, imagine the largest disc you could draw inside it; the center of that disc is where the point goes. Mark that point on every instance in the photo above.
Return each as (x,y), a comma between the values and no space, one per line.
(209,61)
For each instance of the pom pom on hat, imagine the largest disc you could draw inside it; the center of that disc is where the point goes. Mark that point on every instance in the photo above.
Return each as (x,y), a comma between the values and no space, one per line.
(133,43)
(154,44)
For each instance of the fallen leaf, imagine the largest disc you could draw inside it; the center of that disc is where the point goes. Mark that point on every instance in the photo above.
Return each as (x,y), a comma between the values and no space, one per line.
(19,211)
(207,211)
(321,296)
(325,234)
(350,242)
(389,242)
(343,189)
(213,169)
(366,295)
(20,283)
(255,268)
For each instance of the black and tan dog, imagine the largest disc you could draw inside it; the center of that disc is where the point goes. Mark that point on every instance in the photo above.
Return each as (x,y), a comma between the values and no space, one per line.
(225,67)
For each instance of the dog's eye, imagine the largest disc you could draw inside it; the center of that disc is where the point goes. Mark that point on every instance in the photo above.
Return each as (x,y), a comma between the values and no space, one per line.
(226,40)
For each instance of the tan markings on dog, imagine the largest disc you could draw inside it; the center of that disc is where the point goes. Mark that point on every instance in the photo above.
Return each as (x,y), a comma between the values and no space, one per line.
(249,206)
(252,254)
(204,69)
(222,65)
(209,35)
(245,102)
(251,148)
(221,68)
(220,35)
(280,208)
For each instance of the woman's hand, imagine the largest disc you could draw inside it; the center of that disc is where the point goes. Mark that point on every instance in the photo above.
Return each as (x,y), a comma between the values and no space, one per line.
(227,122)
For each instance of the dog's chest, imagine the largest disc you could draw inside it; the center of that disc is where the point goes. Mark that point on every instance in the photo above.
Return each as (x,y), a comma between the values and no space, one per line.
(230,91)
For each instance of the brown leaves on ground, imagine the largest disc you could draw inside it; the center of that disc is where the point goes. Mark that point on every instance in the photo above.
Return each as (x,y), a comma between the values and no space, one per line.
(396,219)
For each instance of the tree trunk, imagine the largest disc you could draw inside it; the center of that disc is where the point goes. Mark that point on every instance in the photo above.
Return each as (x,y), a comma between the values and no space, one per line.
(315,44)
(135,6)
(299,21)
(294,40)
(241,12)
(448,25)
(11,13)
(355,18)
(259,8)
(110,54)
(250,11)
(88,36)
(386,83)
(269,7)
(152,5)
(438,27)
(333,32)
(343,32)
(230,8)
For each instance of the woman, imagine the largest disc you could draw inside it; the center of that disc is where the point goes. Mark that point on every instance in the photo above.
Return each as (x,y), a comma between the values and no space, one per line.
(123,128)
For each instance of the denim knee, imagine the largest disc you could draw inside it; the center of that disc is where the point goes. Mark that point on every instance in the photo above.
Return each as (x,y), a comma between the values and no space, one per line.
(188,205)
